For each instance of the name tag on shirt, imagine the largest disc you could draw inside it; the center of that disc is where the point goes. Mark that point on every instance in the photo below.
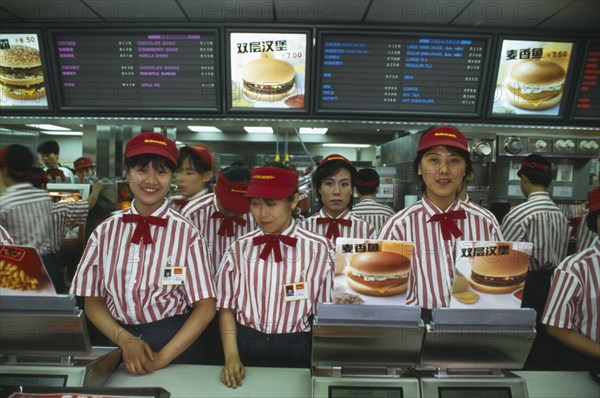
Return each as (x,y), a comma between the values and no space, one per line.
(295,291)
(173,276)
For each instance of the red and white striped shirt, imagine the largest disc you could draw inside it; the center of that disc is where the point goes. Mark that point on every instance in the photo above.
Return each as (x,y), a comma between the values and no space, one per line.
(359,229)
(129,276)
(26,213)
(176,201)
(585,236)
(373,212)
(5,238)
(541,222)
(254,288)
(574,298)
(432,264)
(67,214)
(200,213)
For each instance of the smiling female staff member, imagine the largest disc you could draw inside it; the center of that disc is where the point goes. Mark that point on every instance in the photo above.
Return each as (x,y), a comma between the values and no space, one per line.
(262,322)
(435,222)
(129,295)
(334,181)
(194,171)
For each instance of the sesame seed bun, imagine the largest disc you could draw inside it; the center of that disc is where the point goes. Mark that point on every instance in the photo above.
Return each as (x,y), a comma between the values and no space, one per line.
(21,74)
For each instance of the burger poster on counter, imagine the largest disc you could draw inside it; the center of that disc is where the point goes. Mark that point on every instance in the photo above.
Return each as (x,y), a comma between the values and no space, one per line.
(372,272)
(268,70)
(531,77)
(489,274)
(21,73)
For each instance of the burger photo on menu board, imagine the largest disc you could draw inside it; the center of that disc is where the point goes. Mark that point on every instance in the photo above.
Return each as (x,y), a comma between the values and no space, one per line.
(490,274)
(21,75)
(268,79)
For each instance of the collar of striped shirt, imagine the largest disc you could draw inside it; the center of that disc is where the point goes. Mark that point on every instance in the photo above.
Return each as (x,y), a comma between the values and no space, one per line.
(346,214)
(160,212)
(432,209)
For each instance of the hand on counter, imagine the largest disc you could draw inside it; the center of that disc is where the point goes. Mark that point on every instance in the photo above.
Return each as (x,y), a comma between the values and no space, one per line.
(233,372)
(138,356)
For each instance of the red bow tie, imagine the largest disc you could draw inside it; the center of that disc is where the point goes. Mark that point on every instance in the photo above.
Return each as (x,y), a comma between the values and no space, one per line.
(180,202)
(226,228)
(333,230)
(142,230)
(449,227)
(272,244)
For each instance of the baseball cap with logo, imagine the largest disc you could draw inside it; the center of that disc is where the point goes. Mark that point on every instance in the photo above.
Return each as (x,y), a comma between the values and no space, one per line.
(334,157)
(270,182)
(444,136)
(231,194)
(205,154)
(82,163)
(151,143)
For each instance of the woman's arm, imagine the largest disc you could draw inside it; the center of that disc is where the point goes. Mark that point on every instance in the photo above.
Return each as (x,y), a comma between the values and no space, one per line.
(574,340)
(233,371)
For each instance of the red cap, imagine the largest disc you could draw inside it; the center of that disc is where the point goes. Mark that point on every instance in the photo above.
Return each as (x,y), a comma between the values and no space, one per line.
(82,163)
(270,182)
(445,136)
(335,156)
(367,178)
(594,200)
(231,194)
(151,143)
(204,154)
(532,164)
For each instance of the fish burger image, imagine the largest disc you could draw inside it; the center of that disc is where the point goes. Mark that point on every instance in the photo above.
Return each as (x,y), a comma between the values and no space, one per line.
(21,75)
(378,273)
(535,85)
(499,274)
(268,79)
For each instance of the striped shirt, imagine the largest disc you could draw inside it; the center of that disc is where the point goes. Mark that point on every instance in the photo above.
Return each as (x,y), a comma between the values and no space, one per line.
(585,236)
(359,229)
(541,222)
(26,213)
(374,213)
(432,264)
(179,207)
(67,214)
(5,238)
(254,288)
(200,212)
(129,276)
(574,299)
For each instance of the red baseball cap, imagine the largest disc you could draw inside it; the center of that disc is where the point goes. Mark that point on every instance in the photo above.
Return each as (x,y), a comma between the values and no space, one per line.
(594,200)
(204,153)
(335,156)
(82,163)
(231,194)
(444,136)
(151,143)
(270,182)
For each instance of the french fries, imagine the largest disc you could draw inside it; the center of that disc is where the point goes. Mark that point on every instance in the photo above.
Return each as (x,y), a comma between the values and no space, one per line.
(12,277)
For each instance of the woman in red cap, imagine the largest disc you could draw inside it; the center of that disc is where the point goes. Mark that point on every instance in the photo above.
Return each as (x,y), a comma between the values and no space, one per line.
(334,182)
(440,218)
(194,172)
(84,170)
(145,274)
(572,313)
(271,280)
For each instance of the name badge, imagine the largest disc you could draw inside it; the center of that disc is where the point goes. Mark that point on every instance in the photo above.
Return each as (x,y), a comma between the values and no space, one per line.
(173,276)
(295,291)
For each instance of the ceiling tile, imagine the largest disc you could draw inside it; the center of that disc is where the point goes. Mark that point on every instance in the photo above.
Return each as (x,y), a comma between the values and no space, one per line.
(140,10)
(228,11)
(50,11)
(432,12)
(583,14)
(311,11)
(509,13)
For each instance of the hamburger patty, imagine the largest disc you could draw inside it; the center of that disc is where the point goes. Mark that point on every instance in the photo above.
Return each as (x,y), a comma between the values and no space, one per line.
(20,73)
(269,89)
(498,280)
(389,282)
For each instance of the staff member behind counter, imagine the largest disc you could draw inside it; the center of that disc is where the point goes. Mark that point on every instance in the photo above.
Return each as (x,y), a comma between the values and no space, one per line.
(143,269)
(271,280)
(435,222)
(367,208)
(194,171)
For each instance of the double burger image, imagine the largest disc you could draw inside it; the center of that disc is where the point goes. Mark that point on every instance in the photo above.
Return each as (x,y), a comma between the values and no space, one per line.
(499,274)
(535,84)
(268,79)
(378,273)
(21,75)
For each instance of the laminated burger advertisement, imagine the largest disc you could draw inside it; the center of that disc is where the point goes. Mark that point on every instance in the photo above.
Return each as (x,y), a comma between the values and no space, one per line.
(489,274)
(268,70)
(22,273)
(372,272)
(21,73)
(531,77)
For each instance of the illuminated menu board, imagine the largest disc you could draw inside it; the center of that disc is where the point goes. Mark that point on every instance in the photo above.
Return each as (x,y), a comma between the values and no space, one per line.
(135,70)
(401,74)
(587,98)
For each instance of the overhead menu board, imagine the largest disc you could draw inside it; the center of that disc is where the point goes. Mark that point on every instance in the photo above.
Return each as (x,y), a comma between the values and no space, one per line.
(136,70)
(587,93)
(401,73)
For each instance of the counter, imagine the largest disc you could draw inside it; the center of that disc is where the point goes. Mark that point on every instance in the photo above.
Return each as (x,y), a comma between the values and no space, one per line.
(203,381)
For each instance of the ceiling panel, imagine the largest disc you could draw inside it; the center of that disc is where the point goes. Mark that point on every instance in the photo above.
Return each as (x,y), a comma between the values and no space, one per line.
(427,12)
(228,11)
(310,11)
(148,10)
(584,14)
(508,13)
(50,11)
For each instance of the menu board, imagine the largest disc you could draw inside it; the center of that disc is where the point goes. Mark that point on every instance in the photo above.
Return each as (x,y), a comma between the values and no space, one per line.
(531,78)
(22,77)
(395,73)
(267,70)
(138,70)
(587,94)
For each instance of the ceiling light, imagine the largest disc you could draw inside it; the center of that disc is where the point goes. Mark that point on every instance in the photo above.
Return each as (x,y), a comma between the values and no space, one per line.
(205,129)
(264,130)
(347,145)
(51,127)
(310,130)
(80,133)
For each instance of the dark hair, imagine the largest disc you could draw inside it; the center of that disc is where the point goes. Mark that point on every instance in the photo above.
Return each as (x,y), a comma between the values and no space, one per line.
(47,147)
(157,161)
(19,162)
(592,220)
(367,175)
(199,165)
(462,153)
(38,177)
(237,172)
(535,176)
(331,168)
